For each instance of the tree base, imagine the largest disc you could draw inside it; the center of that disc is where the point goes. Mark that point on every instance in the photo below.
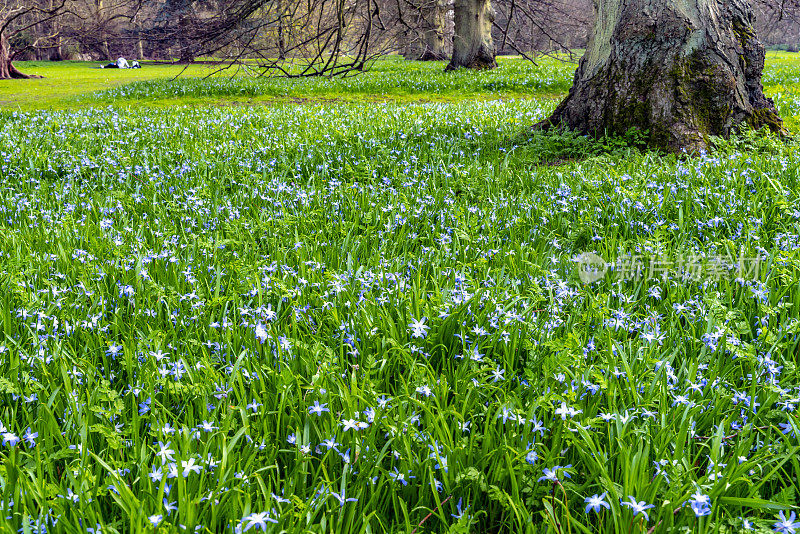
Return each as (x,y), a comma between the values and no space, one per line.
(9,72)
(430,55)
(473,46)
(680,71)
(427,55)
(475,64)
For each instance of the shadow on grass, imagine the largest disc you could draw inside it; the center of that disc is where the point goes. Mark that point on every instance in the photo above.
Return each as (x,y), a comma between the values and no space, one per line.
(562,146)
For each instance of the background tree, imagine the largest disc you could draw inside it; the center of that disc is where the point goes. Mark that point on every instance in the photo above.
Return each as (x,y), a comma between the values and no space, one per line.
(181,16)
(19,20)
(98,30)
(473,45)
(429,29)
(532,27)
(300,38)
(327,37)
(778,23)
(680,70)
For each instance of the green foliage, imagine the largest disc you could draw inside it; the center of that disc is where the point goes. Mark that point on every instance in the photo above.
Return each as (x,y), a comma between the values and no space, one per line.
(761,142)
(560,145)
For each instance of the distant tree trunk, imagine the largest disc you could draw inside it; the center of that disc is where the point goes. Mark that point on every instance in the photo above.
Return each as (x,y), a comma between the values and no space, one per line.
(680,69)
(281,32)
(433,45)
(7,68)
(473,46)
(102,39)
(56,53)
(137,26)
(187,49)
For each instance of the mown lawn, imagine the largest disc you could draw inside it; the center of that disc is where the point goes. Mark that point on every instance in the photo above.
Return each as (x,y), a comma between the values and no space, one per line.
(366,315)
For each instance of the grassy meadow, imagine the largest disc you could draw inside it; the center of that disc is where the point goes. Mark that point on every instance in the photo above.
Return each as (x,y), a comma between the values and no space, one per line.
(71,85)
(363,305)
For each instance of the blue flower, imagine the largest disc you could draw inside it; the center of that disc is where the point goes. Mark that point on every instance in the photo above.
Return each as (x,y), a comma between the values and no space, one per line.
(461,512)
(786,428)
(549,474)
(637,507)
(318,408)
(418,327)
(786,525)
(596,502)
(701,504)
(259,520)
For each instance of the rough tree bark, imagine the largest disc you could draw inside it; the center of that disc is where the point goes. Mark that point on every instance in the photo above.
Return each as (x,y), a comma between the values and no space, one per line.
(473,46)
(7,68)
(679,69)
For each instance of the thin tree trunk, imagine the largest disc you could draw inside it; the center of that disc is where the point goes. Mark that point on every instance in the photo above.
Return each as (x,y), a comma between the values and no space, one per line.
(100,19)
(56,53)
(473,46)
(281,32)
(681,70)
(137,26)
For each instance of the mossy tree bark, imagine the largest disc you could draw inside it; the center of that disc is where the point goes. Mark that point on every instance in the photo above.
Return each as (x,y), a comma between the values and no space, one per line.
(473,46)
(681,70)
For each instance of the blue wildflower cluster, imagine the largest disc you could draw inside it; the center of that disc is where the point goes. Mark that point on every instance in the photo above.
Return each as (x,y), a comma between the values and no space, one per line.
(352,318)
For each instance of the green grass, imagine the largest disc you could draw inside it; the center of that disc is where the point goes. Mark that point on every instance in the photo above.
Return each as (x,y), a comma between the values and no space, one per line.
(77,84)
(181,287)
(74,85)
(65,80)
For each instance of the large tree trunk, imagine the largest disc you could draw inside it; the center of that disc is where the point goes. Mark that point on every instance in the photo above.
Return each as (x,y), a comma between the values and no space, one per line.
(7,68)
(680,69)
(473,46)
